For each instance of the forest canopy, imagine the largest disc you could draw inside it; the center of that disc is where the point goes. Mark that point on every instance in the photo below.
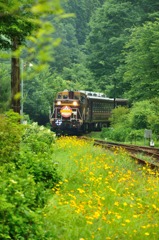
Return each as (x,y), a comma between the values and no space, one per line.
(109,46)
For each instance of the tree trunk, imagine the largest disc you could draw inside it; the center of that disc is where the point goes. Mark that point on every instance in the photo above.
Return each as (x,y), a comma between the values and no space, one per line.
(15,79)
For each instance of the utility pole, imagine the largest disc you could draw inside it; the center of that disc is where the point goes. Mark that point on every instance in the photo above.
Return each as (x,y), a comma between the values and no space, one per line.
(22,89)
(114,81)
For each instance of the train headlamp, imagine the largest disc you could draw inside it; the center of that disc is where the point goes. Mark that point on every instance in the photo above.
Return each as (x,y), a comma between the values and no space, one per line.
(75,103)
(58,102)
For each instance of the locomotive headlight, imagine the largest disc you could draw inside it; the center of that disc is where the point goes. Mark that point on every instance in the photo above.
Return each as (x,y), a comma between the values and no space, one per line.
(75,103)
(58,102)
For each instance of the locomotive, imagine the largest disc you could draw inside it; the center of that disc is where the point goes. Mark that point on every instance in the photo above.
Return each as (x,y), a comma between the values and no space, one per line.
(76,112)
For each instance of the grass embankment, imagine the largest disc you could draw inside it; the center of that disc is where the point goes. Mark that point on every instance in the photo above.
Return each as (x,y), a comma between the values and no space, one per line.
(103,195)
(141,142)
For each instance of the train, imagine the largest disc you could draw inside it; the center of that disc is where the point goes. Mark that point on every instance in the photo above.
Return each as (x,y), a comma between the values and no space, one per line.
(76,112)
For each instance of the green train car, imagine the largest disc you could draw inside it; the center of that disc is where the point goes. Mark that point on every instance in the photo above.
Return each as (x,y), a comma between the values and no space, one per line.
(82,111)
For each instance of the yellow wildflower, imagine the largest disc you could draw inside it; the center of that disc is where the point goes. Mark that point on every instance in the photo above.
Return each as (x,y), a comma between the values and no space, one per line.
(81,190)
(147,234)
(125,204)
(89,222)
(116,203)
(127,221)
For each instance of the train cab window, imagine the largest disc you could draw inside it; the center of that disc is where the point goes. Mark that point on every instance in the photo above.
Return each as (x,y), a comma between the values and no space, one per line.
(59,96)
(82,99)
(65,96)
(76,97)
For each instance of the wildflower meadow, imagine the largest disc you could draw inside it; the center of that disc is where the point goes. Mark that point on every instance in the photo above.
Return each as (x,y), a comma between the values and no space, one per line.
(103,195)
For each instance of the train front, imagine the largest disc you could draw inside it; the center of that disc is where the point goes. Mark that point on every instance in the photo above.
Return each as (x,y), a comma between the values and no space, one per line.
(67,117)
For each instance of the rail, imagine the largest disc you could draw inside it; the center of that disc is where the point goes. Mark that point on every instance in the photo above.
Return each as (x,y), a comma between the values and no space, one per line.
(133,150)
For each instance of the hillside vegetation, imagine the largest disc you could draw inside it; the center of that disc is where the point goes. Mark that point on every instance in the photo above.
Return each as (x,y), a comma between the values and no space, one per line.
(105,46)
(130,124)
(66,188)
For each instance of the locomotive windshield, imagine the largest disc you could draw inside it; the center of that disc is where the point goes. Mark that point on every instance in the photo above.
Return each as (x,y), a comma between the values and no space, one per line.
(65,96)
(68,95)
(59,96)
(62,96)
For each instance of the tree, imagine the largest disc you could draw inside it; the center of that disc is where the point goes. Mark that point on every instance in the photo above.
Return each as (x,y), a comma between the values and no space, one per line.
(79,77)
(73,32)
(142,66)
(19,20)
(83,11)
(109,32)
(39,93)
(13,31)
(68,51)
(4,85)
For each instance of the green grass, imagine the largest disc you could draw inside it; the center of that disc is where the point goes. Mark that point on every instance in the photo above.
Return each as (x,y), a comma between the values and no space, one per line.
(103,195)
(143,142)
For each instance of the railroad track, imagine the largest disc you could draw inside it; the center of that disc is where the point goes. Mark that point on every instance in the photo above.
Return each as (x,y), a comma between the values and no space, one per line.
(150,155)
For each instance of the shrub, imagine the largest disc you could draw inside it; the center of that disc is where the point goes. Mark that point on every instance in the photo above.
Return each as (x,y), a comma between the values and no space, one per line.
(19,216)
(106,133)
(136,135)
(118,133)
(119,115)
(139,115)
(10,136)
(36,155)
(129,124)
(27,174)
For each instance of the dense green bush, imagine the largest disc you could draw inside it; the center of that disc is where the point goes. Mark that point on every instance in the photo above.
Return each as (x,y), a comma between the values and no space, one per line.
(119,133)
(106,133)
(10,136)
(36,155)
(139,115)
(116,134)
(19,218)
(135,135)
(120,128)
(27,174)
(119,115)
(130,124)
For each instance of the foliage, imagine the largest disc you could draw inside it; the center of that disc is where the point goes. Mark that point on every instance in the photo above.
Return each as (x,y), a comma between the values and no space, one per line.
(154,116)
(36,155)
(120,127)
(109,46)
(104,195)
(10,136)
(139,115)
(26,21)
(109,32)
(4,86)
(67,52)
(106,133)
(39,92)
(77,76)
(15,24)
(130,124)
(119,115)
(118,133)
(83,11)
(19,217)
(40,89)
(27,175)
(141,70)
(135,135)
